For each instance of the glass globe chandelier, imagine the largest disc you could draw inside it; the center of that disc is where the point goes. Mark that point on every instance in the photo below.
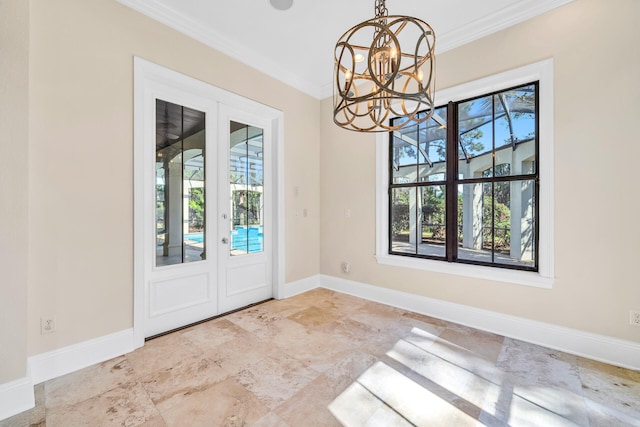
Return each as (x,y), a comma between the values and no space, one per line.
(384,68)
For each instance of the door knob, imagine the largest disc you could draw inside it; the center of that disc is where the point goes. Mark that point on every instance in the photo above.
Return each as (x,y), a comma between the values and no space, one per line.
(225,240)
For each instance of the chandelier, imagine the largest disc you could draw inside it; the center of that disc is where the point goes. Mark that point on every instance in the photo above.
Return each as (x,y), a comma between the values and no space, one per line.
(384,68)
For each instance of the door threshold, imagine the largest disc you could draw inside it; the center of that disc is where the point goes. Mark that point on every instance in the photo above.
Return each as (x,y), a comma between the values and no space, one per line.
(205,320)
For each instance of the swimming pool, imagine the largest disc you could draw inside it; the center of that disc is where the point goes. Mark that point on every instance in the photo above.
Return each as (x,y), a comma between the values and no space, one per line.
(249,239)
(195,237)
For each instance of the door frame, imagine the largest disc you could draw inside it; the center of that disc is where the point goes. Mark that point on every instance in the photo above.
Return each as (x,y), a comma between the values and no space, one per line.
(149,79)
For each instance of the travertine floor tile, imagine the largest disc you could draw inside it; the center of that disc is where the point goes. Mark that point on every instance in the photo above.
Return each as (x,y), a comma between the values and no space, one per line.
(88,382)
(539,382)
(127,405)
(276,378)
(310,406)
(414,403)
(481,344)
(227,403)
(243,352)
(355,406)
(188,375)
(270,420)
(327,359)
(457,385)
(162,353)
(612,394)
(154,422)
(208,335)
(356,335)
(315,316)
(258,317)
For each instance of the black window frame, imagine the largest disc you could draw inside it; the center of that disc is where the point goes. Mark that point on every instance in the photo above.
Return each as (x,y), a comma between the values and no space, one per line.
(452,182)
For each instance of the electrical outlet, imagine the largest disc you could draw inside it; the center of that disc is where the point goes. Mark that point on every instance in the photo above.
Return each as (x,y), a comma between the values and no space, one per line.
(634,317)
(47,325)
(346,267)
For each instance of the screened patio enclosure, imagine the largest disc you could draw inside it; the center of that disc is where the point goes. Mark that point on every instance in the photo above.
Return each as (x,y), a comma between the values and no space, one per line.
(491,173)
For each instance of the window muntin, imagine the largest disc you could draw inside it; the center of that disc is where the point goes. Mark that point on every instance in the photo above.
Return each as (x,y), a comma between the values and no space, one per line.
(490,217)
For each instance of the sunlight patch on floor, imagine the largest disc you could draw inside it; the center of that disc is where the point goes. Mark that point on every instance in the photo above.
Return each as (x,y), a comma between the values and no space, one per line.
(383,395)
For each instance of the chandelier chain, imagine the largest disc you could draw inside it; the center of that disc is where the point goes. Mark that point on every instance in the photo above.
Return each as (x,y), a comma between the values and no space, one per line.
(381,9)
(381,16)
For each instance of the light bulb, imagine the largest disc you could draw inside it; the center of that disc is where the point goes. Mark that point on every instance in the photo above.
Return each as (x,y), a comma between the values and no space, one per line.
(359,57)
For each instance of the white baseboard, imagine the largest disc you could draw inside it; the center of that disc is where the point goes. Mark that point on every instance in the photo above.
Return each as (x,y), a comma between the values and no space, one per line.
(299,286)
(593,346)
(15,397)
(68,359)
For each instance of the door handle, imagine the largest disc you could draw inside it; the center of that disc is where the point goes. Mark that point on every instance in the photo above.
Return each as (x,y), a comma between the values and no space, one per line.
(225,240)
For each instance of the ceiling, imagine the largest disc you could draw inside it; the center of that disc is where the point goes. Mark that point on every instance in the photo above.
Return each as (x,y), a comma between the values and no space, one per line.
(296,45)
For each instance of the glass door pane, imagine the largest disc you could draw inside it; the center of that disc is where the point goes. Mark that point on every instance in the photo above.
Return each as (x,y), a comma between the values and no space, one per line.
(246,183)
(180,184)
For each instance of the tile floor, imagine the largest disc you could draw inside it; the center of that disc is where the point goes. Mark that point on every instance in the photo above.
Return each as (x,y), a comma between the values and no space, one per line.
(328,359)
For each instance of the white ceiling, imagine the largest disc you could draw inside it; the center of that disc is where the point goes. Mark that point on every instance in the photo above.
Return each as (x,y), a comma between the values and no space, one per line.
(296,46)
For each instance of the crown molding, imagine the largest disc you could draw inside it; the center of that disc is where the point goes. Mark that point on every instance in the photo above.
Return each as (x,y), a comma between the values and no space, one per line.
(181,23)
(507,17)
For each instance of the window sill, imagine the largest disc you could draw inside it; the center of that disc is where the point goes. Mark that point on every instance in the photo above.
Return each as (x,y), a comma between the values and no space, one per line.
(526,278)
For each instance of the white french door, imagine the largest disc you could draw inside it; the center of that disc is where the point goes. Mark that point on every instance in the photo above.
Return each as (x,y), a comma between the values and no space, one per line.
(204,200)
(245,187)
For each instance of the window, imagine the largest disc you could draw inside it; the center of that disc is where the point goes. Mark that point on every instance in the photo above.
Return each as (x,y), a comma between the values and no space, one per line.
(463,184)
(469,192)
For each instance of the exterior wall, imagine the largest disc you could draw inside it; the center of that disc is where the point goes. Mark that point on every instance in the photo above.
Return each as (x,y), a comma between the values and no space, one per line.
(81,160)
(596,108)
(14,103)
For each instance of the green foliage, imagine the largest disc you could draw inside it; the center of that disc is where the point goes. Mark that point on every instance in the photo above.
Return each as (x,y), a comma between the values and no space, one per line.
(501,223)
(196,208)
(469,142)
(247,207)
(434,213)
(400,219)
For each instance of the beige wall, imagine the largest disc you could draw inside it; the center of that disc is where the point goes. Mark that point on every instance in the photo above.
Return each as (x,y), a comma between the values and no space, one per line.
(78,56)
(14,138)
(81,160)
(597,233)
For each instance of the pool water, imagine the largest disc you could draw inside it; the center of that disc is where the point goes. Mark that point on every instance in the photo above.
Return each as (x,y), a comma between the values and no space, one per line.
(249,239)
(195,237)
